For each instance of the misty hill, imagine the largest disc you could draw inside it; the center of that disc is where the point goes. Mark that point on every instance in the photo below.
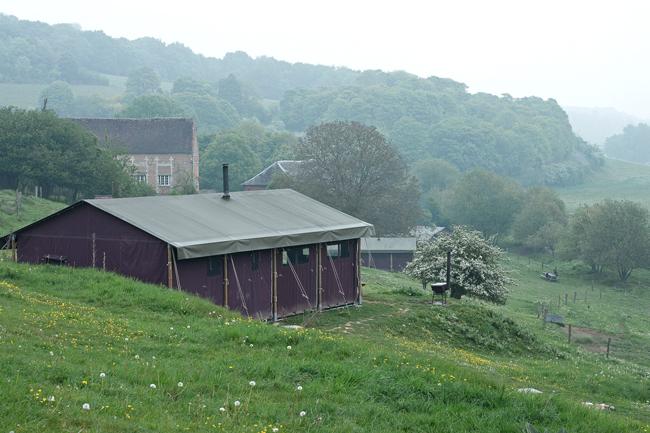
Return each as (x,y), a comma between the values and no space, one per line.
(529,139)
(595,125)
(633,144)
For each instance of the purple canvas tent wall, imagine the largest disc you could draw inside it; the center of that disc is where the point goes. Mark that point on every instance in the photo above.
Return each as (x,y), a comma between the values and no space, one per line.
(128,237)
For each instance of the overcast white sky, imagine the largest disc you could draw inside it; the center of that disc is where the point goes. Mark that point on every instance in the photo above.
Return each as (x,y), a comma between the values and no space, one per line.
(582,53)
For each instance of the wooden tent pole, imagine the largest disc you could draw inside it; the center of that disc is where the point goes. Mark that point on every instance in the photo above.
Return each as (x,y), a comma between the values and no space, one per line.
(319,277)
(274,285)
(225,280)
(170,276)
(14,251)
(358,270)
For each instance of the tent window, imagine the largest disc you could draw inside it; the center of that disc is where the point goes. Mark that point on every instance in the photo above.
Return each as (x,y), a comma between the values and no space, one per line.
(215,266)
(297,255)
(333,250)
(255,260)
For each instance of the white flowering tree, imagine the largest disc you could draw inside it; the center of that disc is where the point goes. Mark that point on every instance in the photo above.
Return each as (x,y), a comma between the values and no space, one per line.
(475,265)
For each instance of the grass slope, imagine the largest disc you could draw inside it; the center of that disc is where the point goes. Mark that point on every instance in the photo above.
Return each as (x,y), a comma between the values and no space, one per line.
(396,364)
(32,209)
(616,180)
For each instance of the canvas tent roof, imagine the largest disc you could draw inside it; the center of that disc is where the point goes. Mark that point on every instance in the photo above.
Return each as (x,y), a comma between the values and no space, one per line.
(205,224)
(388,245)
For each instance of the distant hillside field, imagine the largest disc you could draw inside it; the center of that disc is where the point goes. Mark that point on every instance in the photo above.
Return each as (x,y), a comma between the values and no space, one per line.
(616,180)
(32,209)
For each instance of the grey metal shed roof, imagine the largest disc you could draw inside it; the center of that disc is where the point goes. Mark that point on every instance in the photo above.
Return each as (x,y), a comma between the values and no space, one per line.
(202,225)
(264,177)
(388,245)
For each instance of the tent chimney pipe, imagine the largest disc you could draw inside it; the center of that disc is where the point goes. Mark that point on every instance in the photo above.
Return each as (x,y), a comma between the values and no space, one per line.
(226,189)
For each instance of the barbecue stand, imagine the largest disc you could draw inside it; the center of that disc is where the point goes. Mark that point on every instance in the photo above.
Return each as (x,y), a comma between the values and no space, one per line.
(439,289)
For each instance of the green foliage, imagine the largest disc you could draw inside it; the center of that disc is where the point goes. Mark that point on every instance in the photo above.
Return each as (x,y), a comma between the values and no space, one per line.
(633,144)
(150,106)
(435,174)
(529,139)
(141,82)
(611,233)
(232,148)
(484,201)
(231,90)
(59,98)
(39,149)
(211,114)
(540,222)
(476,268)
(352,167)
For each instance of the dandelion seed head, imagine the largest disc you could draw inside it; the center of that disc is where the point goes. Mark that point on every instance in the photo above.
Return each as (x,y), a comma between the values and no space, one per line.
(275,429)
(252,383)
(251,345)
(102,375)
(303,413)
(299,388)
(85,406)
(180,384)
(222,409)
(237,403)
(152,386)
(51,353)
(288,347)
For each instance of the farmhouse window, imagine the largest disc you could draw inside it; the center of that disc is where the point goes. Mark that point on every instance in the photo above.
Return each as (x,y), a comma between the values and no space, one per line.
(215,266)
(140,178)
(164,179)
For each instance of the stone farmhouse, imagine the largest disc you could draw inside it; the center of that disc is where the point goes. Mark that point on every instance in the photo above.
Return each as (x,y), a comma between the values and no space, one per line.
(164,151)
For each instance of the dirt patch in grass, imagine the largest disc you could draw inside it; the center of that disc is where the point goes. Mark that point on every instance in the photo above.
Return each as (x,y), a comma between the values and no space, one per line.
(589,339)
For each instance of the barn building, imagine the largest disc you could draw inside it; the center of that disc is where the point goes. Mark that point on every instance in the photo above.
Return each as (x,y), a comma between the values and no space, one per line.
(163,151)
(389,254)
(268,254)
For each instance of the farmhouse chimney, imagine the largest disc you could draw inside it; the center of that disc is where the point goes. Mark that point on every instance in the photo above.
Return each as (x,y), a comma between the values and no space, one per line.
(226,189)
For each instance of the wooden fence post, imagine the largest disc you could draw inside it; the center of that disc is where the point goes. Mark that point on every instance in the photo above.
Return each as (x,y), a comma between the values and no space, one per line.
(569,334)
(575,296)
(609,341)
(14,250)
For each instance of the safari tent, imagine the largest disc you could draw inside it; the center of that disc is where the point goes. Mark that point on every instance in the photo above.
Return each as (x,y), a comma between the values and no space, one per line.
(268,254)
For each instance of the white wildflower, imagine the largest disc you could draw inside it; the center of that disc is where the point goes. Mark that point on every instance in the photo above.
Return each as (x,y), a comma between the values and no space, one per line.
(251,345)
(275,429)
(51,353)
(299,388)
(85,406)
(152,386)
(288,347)
(137,356)
(102,375)
(237,403)
(50,398)
(180,384)
(222,409)
(252,383)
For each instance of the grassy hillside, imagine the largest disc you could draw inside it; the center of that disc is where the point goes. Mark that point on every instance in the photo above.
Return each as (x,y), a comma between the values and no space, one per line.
(617,180)
(32,209)
(396,364)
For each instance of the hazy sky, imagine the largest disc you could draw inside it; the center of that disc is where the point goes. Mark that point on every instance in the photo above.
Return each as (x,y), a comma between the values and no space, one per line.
(583,53)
